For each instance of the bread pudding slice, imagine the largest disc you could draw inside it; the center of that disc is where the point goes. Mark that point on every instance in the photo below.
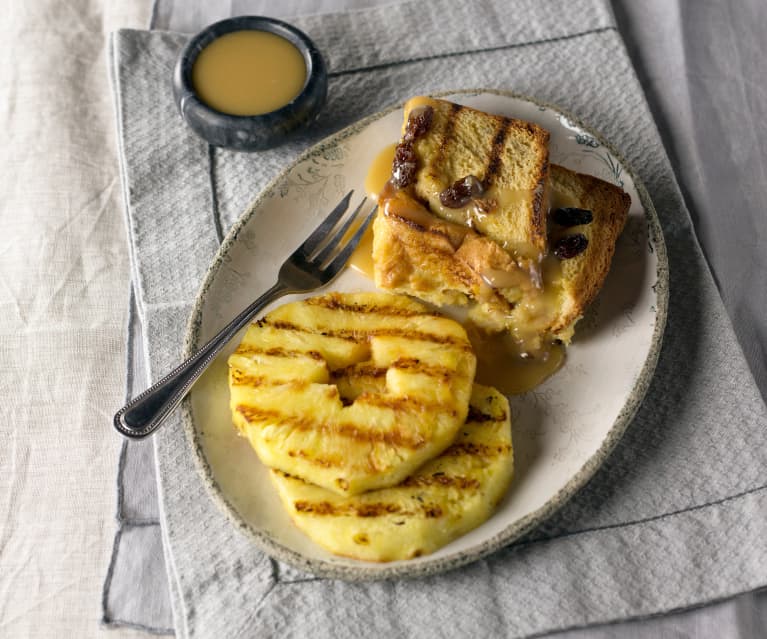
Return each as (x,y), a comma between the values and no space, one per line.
(415,252)
(442,500)
(530,269)
(351,391)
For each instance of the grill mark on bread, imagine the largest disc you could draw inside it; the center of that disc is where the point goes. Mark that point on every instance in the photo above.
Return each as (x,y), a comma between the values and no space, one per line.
(365,334)
(539,212)
(447,133)
(494,160)
(393,437)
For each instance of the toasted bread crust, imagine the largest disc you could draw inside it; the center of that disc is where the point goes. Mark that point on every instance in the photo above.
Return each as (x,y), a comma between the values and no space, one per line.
(584,274)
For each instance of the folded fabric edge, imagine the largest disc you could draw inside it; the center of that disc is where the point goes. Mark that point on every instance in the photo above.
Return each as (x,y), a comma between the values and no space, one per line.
(114,82)
(107,619)
(177,603)
(134,315)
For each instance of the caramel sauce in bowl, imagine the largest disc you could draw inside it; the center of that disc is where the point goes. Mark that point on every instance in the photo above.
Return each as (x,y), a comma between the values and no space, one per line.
(249,72)
(248,82)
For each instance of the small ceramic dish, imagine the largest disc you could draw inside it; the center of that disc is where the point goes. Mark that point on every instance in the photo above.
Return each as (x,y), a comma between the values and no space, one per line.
(250,132)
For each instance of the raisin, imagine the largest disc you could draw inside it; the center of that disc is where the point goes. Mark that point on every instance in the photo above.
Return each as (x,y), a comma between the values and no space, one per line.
(418,122)
(403,169)
(570,246)
(405,160)
(461,192)
(571,216)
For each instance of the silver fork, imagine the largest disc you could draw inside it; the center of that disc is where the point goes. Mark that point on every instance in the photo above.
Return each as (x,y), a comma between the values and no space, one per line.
(315,263)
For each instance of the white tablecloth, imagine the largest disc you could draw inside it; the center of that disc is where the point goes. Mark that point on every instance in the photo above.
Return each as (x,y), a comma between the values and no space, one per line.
(64,270)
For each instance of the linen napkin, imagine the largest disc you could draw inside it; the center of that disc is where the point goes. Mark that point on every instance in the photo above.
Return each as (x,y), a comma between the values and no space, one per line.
(677,515)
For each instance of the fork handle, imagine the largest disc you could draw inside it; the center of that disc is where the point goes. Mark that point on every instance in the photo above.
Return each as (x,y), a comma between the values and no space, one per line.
(142,415)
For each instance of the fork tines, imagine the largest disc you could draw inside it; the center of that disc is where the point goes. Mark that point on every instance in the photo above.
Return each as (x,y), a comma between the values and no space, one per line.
(331,244)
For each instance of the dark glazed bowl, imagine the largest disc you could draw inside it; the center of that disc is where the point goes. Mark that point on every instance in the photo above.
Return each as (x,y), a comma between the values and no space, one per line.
(250,132)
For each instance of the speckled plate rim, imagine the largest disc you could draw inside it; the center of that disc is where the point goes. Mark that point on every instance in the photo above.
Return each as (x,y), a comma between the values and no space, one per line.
(367,571)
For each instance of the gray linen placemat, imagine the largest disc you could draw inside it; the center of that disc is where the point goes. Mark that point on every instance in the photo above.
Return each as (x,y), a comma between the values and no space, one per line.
(675,518)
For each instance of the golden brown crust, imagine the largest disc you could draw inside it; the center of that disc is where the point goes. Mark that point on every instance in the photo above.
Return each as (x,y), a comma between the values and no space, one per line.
(584,274)
(424,262)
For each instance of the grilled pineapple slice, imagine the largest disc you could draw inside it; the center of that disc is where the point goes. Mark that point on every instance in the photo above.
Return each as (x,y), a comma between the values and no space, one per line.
(351,391)
(442,500)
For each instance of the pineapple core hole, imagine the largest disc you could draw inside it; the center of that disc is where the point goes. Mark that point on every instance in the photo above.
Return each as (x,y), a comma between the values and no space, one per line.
(357,377)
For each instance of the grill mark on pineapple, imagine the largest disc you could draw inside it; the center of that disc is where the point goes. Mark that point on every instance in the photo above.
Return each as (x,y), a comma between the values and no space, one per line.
(246,349)
(477,416)
(364,335)
(476,450)
(330,302)
(411,364)
(494,159)
(322,462)
(405,404)
(443,480)
(392,437)
(358,372)
(239,378)
(372,509)
(414,364)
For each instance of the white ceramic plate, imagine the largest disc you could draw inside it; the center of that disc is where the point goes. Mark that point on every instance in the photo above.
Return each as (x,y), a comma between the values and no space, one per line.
(562,431)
